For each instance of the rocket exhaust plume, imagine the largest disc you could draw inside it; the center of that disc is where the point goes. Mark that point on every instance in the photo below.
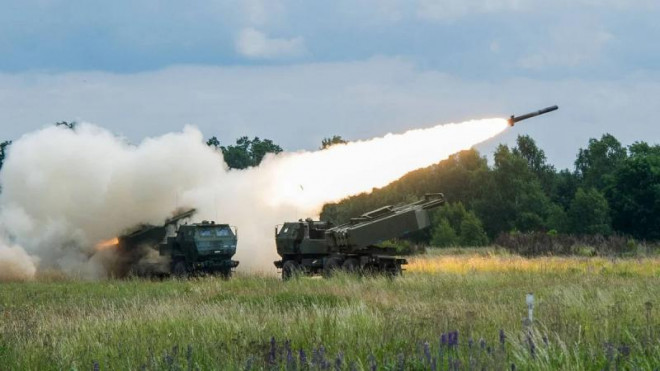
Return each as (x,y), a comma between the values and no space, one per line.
(67,193)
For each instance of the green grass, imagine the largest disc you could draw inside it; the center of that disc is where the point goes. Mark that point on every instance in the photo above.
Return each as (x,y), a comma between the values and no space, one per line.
(590,314)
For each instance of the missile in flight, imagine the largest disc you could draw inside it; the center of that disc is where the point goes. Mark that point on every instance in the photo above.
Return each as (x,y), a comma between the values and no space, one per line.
(513,119)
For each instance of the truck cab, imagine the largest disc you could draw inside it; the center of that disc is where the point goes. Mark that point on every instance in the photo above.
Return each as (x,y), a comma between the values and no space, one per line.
(205,246)
(306,236)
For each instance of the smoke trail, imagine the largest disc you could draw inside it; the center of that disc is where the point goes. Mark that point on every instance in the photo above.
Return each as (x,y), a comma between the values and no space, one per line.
(63,191)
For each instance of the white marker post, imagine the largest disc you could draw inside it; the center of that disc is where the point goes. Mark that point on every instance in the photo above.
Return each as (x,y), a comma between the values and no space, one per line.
(530,308)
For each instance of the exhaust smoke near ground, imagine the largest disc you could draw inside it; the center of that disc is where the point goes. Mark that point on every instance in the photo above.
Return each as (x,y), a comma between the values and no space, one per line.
(65,191)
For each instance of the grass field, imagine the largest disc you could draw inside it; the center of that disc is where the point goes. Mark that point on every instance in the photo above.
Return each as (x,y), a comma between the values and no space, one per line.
(459,309)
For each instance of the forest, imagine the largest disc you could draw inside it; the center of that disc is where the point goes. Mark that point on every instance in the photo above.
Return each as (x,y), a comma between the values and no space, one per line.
(613,191)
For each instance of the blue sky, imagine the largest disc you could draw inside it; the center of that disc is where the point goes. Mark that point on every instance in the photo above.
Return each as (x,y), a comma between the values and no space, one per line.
(297,71)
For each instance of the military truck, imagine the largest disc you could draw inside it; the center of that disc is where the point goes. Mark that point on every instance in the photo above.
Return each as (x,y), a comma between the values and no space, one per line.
(180,249)
(312,247)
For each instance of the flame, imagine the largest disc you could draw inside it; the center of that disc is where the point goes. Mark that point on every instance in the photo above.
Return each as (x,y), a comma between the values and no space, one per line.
(307,180)
(107,244)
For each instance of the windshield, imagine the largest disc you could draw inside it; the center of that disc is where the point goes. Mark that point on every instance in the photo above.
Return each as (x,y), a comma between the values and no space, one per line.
(215,231)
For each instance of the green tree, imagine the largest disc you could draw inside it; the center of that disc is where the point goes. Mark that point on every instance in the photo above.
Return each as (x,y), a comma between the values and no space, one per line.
(589,213)
(213,142)
(596,164)
(635,193)
(527,149)
(557,219)
(453,225)
(462,175)
(259,149)
(515,199)
(443,235)
(328,142)
(472,232)
(245,153)
(565,185)
(4,146)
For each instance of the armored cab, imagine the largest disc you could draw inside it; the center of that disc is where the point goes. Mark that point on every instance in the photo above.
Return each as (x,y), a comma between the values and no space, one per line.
(180,248)
(202,247)
(318,247)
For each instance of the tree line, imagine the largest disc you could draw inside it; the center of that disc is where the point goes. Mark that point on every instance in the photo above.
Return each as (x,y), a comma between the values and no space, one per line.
(612,189)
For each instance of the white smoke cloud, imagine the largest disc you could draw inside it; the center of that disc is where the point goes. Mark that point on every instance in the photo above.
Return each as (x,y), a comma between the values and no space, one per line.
(63,191)
(15,263)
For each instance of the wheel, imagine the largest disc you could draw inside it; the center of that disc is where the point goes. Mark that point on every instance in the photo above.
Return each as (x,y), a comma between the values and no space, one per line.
(225,274)
(394,271)
(351,265)
(290,269)
(180,269)
(331,266)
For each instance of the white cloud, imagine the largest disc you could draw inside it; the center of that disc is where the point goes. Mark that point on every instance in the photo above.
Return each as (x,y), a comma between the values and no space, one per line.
(445,10)
(297,106)
(449,9)
(256,44)
(262,12)
(570,45)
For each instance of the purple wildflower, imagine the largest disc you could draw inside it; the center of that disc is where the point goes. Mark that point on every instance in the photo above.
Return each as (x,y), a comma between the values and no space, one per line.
(609,352)
(453,339)
(339,360)
(189,357)
(443,339)
(482,343)
(169,361)
(96,366)
(248,364)
(624,350)
(502,337)
(272,354)
(427,351)
(290,361)
(303,357)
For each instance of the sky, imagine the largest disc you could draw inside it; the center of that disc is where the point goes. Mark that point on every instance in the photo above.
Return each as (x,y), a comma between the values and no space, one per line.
(298,71)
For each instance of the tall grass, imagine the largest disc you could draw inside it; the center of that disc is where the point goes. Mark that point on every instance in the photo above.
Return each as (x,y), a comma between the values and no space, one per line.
(591,314)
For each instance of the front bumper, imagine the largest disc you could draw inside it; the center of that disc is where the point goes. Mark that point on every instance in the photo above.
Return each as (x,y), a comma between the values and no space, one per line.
(213,265)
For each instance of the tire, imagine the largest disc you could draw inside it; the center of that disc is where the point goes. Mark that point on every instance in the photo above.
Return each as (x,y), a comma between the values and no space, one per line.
(225,274)
(180,269)
(394,271)
(351,265)
(290,269)
(331,266)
